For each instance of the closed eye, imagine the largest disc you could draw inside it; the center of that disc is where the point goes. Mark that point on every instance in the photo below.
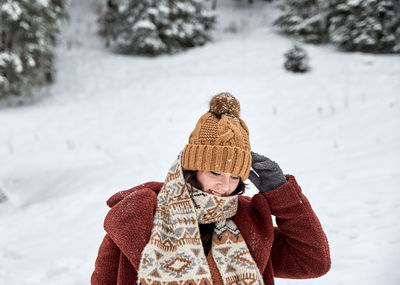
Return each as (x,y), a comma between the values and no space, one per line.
(215,173)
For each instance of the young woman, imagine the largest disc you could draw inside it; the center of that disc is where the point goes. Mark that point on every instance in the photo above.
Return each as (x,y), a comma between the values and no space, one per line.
(198,228)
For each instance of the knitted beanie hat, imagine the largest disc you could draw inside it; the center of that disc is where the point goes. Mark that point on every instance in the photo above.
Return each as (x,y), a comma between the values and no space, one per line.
(220,140)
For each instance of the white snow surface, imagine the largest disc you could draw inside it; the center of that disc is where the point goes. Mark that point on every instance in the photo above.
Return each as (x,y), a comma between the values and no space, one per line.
(111,122)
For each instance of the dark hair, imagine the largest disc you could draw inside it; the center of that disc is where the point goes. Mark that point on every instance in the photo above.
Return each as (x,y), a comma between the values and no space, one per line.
(191,178)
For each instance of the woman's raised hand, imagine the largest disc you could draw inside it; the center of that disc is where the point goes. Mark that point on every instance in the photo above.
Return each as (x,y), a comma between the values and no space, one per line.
(266,174)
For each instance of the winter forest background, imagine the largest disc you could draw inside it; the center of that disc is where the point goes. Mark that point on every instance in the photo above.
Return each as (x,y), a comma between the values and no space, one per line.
(98,96)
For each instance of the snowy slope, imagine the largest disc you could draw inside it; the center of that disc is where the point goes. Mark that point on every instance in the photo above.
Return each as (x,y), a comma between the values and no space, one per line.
(111,122)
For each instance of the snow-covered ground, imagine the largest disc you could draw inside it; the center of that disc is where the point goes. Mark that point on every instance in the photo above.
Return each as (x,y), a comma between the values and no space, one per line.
(111,122)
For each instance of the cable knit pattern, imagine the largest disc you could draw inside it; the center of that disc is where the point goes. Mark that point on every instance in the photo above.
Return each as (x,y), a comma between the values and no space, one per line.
(220,141)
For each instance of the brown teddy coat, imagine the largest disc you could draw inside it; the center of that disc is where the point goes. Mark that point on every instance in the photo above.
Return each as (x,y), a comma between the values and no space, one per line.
(297,248)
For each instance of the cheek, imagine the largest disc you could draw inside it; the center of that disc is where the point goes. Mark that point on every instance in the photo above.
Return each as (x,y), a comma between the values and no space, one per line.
(234,185)
(204,181)
(208,184)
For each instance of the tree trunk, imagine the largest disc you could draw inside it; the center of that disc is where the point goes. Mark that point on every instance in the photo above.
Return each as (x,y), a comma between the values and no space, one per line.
(214,4)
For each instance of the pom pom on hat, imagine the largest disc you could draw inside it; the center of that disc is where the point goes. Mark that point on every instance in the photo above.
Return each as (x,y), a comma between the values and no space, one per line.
(225,104)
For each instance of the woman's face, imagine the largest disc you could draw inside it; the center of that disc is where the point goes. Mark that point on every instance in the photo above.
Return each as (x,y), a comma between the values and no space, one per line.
(217,183)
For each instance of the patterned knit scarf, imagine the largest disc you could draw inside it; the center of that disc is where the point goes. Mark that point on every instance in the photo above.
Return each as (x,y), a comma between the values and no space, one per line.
(175,255)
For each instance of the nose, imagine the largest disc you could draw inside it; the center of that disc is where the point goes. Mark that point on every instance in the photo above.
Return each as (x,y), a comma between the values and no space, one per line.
(224,183)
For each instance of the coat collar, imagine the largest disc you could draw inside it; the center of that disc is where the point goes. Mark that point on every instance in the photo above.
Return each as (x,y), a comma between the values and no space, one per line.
(130,220)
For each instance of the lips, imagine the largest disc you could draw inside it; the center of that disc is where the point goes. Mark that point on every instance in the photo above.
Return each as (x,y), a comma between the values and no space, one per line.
(215,193)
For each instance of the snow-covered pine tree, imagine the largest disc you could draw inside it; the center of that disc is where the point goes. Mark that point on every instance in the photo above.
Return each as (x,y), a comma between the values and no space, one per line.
(152,27)
(305,19)
(296,60)
(352,25)
(3,196)
(366,25)
(28,31)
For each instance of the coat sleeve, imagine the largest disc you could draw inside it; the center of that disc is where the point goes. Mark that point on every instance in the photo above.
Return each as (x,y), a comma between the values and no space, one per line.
(107,262)
(300,248)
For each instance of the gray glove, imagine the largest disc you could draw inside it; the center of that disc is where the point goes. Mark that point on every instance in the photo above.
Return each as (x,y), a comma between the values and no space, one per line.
(266,174)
